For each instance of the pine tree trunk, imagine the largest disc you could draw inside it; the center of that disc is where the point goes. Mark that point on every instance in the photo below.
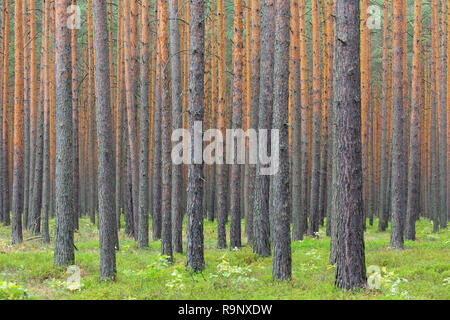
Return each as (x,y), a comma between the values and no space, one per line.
(414,157)
(222,180)
(262,184)
(106,177)
(383,213)
(144,126)
(194,251)
(398,161)
(313,226)
(76,177)
(282,247)
(237,93)
(177,123)
(64,246)
(350,262)
(163,39)
(18,145)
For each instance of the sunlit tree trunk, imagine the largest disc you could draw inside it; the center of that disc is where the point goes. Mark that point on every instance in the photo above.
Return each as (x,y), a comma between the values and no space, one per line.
(18,146)
(413,174)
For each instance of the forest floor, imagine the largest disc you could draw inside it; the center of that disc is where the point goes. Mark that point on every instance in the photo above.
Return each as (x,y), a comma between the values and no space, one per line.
(420,271)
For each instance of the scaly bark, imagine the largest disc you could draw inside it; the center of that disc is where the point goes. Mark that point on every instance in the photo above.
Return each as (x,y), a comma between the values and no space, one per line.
(350,263)
(194,251)
(282,259)
(106,178)
(64,246)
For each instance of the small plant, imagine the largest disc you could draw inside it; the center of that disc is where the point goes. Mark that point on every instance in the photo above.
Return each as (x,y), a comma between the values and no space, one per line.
(233,274)
(176,283)
(12,291)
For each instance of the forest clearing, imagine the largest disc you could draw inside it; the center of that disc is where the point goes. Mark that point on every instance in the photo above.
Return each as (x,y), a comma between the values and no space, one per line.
(224,149)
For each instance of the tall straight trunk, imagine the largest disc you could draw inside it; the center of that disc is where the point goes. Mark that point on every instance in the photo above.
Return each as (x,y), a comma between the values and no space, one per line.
(435,102)
(282,259)
(254,107)
(324,118)
(383,213)
(398,161)
(131,16)
(64,247)
(118,115)
(365,103)
(106,178)
(26,115)
(330,120)
(213,119)
(237,93)
(144,126)
(4,213)
(446,115)
(262,184)
(350,262)
(177,123)
(156,179)
(304,127)
(76,176)
(91,116)
(166,211)
(194,251)
(2,19)
(38,141)
(413,175)
(18,145)
(443,130)
(313,226)
(5,124)
(46,130)
(221,168)
(296,123)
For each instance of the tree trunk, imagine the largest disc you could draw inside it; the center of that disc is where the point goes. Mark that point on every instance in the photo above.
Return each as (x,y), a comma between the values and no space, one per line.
(144,126)
(237,93)
(313,226)
(383,213)
(177,123)
(413,175)
(106,178)
(18,147)
(221,168)
(350,264)
(64,246)
(163,39)
(398,161)
(262,184)
(282,248)
(194,251)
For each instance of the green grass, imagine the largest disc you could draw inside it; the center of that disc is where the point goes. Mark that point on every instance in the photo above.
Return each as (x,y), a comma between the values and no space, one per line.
(420,271)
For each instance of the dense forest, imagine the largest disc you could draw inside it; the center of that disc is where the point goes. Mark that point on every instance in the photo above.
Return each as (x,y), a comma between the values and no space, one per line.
(194,132)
